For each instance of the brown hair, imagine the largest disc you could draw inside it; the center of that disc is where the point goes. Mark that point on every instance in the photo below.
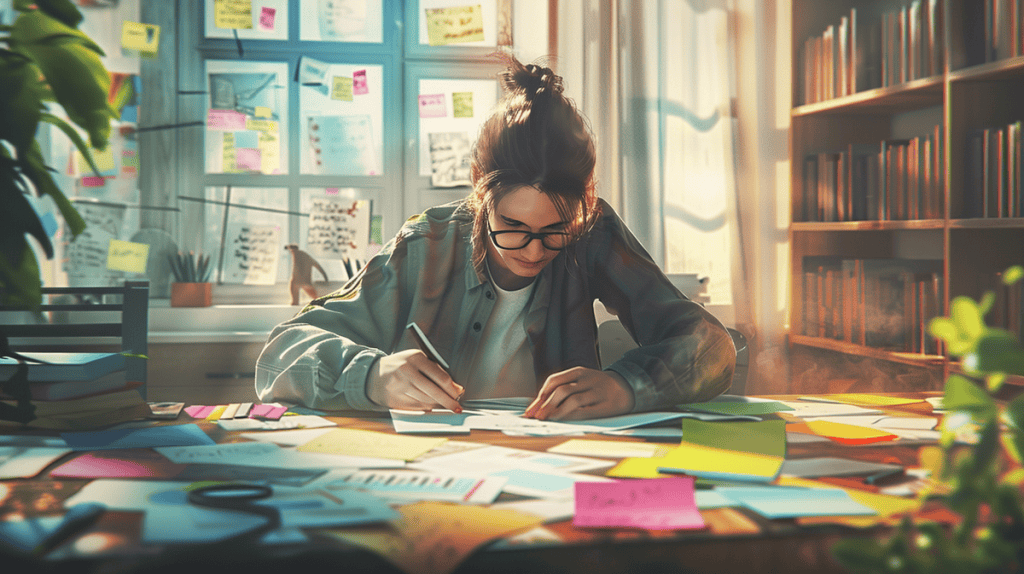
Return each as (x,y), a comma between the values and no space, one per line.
(535,137)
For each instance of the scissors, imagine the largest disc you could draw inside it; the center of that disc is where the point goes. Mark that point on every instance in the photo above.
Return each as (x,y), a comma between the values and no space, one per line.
(243,498)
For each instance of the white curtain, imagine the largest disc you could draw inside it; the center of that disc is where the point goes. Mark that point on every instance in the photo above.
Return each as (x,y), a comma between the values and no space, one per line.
(666,133)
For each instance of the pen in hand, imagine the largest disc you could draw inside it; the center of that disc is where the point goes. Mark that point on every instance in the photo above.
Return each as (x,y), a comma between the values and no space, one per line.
(428,348)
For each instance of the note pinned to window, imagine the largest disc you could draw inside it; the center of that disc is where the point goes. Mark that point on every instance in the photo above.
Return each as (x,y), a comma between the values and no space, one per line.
(462,104)
(227,120)
(104,160)
(263,112)
(127,256)
(267,17)
(455,25)
(312,72)
(248,159)
(432,106)
(251,254)
(341,89)
(651,503)
(233,14)
(141,37)
(338,229)
(359,85)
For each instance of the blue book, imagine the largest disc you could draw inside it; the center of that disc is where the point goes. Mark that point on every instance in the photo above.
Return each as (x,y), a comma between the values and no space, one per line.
(64,366)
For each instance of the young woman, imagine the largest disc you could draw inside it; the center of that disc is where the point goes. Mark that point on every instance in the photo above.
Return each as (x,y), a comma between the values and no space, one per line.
(503,284)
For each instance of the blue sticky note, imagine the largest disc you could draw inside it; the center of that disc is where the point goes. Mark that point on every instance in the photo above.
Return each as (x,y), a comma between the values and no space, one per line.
(49,223)
(535,480)
(247,139)
(174,435)
(130,114)
(791,502)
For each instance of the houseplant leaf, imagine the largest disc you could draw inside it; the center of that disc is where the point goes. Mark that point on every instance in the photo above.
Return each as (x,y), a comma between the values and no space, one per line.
(73,136)
(38,173)
(22,287)
(20,97)
(62,10)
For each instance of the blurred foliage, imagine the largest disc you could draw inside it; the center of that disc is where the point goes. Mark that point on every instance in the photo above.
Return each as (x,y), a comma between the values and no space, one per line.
(44,59)
(982,489)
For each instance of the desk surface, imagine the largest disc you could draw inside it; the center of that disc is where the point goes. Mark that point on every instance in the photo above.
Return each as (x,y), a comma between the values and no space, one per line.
(735,540)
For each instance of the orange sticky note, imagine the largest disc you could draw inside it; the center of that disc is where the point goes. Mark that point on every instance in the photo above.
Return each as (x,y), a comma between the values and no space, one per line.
(849,434)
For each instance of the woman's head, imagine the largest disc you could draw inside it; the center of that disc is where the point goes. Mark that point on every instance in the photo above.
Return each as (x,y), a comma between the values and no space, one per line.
(536,138)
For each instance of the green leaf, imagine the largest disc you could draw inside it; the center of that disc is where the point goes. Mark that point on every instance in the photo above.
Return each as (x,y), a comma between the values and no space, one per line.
(942,328)
(994,382)
(74,137)
(963,395)
(21,286)
(21,97)
(997,351)
(1015,413)
(16,219)
(62,10)
(1013,274)
(967,316)
(986,302)
(36,170)
(70,61)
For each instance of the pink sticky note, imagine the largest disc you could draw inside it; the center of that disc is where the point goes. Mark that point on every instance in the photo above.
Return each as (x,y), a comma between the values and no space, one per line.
(267,19)
(248,158)
(96,465)
(359,86)
(93,181)
(199,411)
(331,191)
(432,106)
(225,120)
(267,412)
(649,503)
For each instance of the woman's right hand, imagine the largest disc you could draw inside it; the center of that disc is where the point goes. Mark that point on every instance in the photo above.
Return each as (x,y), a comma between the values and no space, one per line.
(409,380)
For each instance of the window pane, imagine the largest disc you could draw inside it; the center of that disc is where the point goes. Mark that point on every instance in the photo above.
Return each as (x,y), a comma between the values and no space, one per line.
(343,122)
(267,19)
(246,117)
(451,113)
(247,246)
(341,20)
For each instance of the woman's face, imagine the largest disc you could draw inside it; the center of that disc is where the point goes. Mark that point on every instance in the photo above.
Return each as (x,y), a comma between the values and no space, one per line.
(525,209)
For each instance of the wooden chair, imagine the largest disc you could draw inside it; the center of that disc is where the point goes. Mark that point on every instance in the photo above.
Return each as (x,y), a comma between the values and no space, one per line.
(87,319)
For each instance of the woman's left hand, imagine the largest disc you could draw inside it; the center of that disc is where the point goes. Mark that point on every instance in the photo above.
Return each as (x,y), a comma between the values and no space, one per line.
(581,393)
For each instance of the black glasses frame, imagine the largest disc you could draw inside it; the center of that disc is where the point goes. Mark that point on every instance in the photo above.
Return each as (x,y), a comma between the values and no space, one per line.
(530,237)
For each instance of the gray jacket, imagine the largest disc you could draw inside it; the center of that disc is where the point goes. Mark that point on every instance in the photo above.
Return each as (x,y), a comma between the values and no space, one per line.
(322,357)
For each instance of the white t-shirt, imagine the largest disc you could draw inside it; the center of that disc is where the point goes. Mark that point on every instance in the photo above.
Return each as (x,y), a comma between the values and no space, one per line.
(503,366)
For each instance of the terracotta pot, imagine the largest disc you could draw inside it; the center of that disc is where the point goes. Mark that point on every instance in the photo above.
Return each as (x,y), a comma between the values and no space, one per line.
(191,294)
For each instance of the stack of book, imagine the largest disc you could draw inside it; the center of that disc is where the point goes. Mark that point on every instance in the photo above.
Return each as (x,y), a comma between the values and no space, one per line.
(76,391)
(993,172)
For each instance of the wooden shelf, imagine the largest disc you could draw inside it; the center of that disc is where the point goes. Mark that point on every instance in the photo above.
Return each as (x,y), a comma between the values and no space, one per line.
(924,224)
(988,223)
(915,359)
(920,93)
(1010,68)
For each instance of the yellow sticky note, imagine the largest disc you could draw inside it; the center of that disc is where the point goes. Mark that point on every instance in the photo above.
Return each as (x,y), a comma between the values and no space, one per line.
(865,399)
(141,37)
(104,161)
(269,126)
(455,25)
(216,412)
(270,152)
(462,104)
(263,112)
(435,537)
(232,14)
(353,442)
(127,256)
(722,464)
(886,507)
(849,434)
(637,468)
(341,89)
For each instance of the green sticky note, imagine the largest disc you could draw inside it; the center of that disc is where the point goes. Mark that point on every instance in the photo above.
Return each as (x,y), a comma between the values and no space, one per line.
(462,104)
(763,437)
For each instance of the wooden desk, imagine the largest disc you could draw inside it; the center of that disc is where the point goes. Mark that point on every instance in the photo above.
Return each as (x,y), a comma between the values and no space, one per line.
(735,540)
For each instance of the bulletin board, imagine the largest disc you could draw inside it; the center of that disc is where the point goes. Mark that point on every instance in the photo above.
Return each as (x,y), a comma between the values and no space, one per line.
(341,20)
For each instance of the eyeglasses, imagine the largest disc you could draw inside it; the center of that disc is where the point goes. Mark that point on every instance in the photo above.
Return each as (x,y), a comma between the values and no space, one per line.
(514,239)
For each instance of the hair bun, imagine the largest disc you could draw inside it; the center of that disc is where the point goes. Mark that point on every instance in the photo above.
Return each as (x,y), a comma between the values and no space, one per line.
(532,80)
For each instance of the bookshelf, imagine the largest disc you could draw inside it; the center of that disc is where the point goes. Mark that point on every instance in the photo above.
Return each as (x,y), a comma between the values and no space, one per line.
(905,177)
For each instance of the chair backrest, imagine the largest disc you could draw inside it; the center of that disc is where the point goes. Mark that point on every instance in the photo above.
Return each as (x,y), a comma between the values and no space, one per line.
(614,340)
(79,318)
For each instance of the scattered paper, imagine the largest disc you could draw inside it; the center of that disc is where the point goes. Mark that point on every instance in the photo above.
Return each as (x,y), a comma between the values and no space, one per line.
(791,502)
(170,435)
(654,504)
(609,448)
(27,461)
(352,442)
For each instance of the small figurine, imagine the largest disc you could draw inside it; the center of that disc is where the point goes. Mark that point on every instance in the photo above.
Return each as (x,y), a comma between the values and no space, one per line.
(302,273)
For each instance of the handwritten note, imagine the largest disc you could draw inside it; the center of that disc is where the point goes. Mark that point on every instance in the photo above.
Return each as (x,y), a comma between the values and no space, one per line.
(455,25)
(353,442)
(462,104)
(337,229)
(359,85)
(450,158)
(251,254)
(127,256)
(267,17)
(653,504)
(312,71)
(342,145)
(142,37)
(225,120)
(232,14)
(432,106)
(341,89)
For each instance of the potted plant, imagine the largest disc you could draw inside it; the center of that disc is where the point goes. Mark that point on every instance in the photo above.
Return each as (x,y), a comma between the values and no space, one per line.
(43,58)
(980,486)
(191,287)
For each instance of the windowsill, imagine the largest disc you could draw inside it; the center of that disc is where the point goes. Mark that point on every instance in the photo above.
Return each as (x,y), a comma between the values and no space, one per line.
(215,324)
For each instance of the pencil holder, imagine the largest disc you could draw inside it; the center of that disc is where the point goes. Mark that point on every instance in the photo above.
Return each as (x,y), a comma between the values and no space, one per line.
(191,294)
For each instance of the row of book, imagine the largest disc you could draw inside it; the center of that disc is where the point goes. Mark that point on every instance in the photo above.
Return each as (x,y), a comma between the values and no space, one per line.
(992,186)
(993,30)
(75,391)
(880,303)
(895,179)
(870,49)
